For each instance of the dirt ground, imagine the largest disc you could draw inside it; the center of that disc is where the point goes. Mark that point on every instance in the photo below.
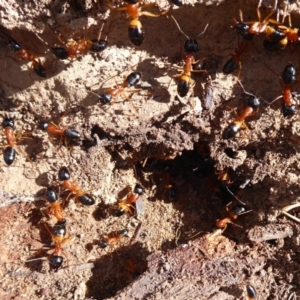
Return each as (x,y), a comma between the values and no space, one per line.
(172,245)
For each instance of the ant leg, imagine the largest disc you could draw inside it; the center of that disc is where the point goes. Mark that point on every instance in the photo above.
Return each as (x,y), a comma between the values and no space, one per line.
(288,208)
(148,14)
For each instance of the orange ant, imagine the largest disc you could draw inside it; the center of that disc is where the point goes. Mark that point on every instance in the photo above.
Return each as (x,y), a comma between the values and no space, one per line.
(113,238)
(59,237)
(9,152)
(25,54)
(65,133)
(54,207)
(81,47)
(249,29)
(132,197)
(251,292)
(168,186)
(239,123)
(135,30)
(111,95)
(233,213)
(235,62)
(287,80)
(136,269)
(68,184)
(190,64)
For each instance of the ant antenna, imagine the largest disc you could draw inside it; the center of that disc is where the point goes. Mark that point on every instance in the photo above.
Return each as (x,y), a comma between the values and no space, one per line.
(180,28)
(235,197)
(99,35)
(244,89)
(203,30)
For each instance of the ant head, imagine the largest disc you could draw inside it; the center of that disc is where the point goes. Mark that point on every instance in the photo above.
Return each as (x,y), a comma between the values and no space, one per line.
(8,122)
(105,98)
(230,131)
(43,125)
(119,212)
(55,262)
(40,70)
(177,2)
(86,200)
(191,45)
(131,1)
(104,245)
(72,134)
(60,52)
(123,232)
(133,78)
(238,209)
(51,195)
(98,46)
(59,229)
(13,45)
(253,102)
(288,111)
(63,174)
(243,29)
(138,190)
(289,74)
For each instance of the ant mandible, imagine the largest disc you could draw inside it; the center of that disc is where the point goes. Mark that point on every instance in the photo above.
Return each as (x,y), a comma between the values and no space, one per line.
(190,64)
(136,33)
(127,204)
(239,123)
(111,94)
(287,80)
(54,206)
(9,152)
(25,54)
(68,184)
(113,238)
(75,49)
(64,133)
(233,213)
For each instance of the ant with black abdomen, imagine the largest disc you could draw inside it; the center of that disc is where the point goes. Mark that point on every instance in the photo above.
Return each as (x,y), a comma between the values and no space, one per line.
(55,206)
(190,64)
(69,184)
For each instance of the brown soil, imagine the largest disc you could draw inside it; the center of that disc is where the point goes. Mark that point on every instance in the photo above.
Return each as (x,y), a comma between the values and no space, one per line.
(177,253)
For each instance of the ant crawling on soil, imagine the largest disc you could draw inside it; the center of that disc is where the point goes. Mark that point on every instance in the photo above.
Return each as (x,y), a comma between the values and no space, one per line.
(126,205)
(59,237)
(239,123)
(133,266)
(9,152)
(64,133)
(111,95)
(190,64)
(287,80)
(76,49)
(251,293)
(136,33)
(54,207)
(113,238)
(25,54)
(233,213)
(68,184)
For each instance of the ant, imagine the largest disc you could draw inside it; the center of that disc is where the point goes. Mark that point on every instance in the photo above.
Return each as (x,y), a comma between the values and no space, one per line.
(9,152)
(25,54)
(190,64)
(234,62)
(132,197)
(233,213)
(135,268)
(177,2)
(249,29)
(168,186)
(287,80)
(111,94)
(59,237)
(74,49)
(136,33)
(239,123)
(65,133)
(251,292)
(54,207)
(68,184)
(113,238)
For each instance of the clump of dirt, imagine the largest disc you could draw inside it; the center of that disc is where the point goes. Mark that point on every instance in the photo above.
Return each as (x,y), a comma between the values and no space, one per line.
(173,147)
